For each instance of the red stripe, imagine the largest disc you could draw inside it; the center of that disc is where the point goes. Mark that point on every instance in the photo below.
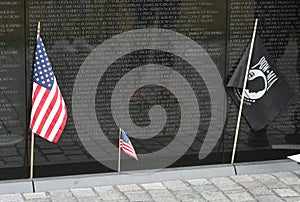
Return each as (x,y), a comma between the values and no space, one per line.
(35,94)
(57,136)
(39,108)
(48,111)
(129,149)
(55,118)
(130,154)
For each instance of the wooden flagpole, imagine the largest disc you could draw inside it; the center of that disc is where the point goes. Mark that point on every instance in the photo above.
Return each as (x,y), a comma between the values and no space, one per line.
(32,134)
(119,159)
(243,93)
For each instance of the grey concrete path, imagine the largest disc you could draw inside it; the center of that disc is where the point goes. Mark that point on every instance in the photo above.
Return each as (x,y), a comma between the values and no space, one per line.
(278,186)
(277,180)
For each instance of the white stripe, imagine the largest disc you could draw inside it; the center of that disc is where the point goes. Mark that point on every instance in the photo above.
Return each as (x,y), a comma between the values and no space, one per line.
(51,116)
(58,123)
(45,107)
(37,101)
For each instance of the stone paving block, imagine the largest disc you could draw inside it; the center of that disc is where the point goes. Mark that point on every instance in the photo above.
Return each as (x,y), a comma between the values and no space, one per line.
(11,198)
(196,200)
(39,200)
(129,188)
(37,195)
(83,192)
(72,199)
(165,199)
(231,188)
(222,181)
(89,199)
(63,193)
(242,196)
(291,180)
(209,187)
(109,193)
(176,185)
(283,174)
(257,191)
(250,184)
(214,196)
(138,196)
(286,192)
(198,182)
(150,186)
(268,198)
(242,178)
(187,195)
(263,177)
(292,199)
(274,184)
(288,178)
(297,187)
(160,193)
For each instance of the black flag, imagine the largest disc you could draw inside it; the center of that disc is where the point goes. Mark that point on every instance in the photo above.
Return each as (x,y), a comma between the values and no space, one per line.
(266,92)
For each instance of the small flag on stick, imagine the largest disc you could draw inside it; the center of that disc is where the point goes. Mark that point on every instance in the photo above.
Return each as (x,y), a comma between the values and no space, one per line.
(126,145)
(49,112)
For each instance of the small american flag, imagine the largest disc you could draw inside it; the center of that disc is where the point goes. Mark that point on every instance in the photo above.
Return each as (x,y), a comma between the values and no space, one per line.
(49,112)
(126,145)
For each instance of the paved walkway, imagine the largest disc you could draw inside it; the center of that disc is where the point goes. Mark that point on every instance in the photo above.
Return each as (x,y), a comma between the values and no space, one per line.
(282,186)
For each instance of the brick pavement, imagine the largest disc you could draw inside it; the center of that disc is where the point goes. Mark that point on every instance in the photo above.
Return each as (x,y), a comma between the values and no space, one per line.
(281,186)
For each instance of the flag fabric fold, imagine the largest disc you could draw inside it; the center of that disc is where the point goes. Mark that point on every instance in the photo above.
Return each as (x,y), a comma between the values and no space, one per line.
(49,112)
(266,93)
(126,146)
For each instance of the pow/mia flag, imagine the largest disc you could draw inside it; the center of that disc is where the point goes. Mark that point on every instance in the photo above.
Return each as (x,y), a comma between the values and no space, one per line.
(266,92)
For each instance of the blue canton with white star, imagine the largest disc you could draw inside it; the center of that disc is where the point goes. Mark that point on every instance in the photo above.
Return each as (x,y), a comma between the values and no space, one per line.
(124,136)
(43,74)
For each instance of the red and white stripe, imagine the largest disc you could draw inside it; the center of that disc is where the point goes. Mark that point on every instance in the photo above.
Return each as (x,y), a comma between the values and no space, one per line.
(49,112)
(128,149)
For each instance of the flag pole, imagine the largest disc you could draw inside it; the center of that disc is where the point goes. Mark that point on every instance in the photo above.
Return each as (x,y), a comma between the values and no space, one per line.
(119,159)
(243,93)
(32,133)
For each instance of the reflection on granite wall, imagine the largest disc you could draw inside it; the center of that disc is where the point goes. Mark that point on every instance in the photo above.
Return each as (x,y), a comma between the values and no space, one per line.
(75,30)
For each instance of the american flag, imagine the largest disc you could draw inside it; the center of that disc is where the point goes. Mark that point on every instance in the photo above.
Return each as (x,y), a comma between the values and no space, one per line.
(126,145)
(49,112)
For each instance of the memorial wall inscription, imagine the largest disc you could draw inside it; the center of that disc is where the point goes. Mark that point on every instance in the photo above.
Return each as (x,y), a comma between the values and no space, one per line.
(73,29)
(146,72)
(12,84)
